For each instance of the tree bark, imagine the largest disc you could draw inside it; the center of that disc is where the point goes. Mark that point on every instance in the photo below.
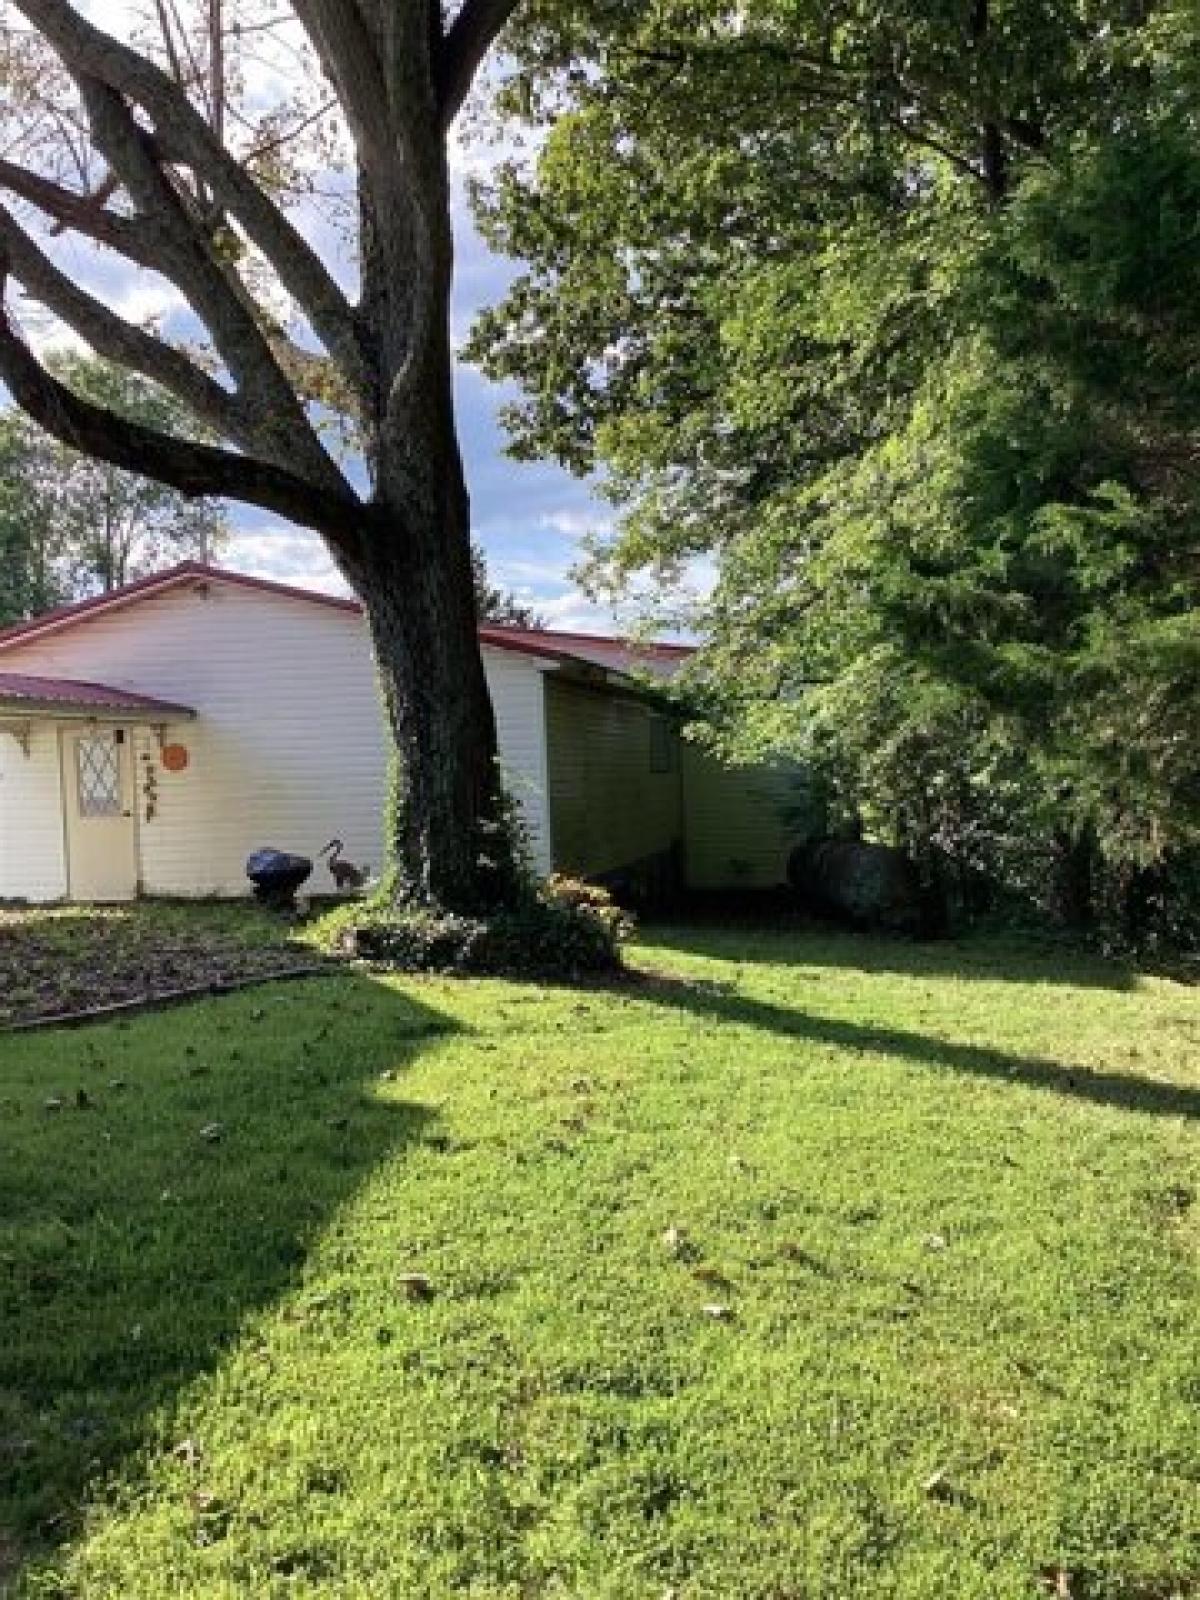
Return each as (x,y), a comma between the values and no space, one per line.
(448,837)
(450,841)
(1075,886)
(411,567)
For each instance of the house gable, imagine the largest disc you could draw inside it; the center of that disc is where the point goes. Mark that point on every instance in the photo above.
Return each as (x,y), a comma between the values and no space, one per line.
(587,651)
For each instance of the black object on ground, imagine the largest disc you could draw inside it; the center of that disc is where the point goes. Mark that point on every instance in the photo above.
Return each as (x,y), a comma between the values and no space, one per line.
(276,875)
(864,885)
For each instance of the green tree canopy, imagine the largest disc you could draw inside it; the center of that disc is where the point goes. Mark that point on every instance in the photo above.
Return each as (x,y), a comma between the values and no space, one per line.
(893,319)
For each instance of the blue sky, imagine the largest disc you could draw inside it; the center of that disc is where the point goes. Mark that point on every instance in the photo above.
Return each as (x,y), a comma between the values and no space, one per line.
(530,519)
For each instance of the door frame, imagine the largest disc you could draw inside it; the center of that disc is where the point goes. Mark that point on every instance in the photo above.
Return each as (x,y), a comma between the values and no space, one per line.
(66,768)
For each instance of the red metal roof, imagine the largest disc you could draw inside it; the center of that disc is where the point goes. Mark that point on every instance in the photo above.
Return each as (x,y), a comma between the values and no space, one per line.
(20,690)
(615,655)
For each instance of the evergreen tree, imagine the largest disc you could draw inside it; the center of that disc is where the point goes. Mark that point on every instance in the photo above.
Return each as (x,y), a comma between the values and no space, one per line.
(894,321)
(496,605)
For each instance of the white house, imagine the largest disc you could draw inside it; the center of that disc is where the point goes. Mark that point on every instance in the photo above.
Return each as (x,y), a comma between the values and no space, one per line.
(151,738)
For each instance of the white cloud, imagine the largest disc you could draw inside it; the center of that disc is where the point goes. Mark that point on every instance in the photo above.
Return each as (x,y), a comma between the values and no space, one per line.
(575,522)
(532,574)
(574,612)
(148,301)
(289,555)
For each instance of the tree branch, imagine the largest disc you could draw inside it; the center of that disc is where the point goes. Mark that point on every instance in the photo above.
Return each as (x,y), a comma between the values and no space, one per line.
(120,341)
(183,249)
(90,51)
(351,62)
(85,215)
(82,213)
(194,470)
(470,37)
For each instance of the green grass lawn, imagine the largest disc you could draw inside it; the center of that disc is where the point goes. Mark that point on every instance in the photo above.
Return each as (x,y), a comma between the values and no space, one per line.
(939,1203)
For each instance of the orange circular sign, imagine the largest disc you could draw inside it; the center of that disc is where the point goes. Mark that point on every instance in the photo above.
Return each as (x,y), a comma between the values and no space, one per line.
(175,757)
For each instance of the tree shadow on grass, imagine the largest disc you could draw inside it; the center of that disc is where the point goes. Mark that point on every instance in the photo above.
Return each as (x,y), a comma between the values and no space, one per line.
(1118,1089)
(196,1157)
(753,939)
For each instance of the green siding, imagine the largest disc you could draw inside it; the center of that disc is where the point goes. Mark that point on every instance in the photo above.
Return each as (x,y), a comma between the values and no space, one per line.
(608,808)
(743,822)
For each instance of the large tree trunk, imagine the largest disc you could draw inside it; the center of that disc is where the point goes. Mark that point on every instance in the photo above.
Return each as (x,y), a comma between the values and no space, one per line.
(450,845)
(450,840)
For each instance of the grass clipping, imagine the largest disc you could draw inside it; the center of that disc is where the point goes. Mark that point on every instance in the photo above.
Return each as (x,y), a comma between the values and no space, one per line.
(563,928)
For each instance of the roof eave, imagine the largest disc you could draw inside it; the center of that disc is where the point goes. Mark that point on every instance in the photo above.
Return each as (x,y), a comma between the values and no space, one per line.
(551,651)
(19,709)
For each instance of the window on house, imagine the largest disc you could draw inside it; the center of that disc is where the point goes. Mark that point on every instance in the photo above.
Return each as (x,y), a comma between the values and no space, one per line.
(98,771)
(662,744)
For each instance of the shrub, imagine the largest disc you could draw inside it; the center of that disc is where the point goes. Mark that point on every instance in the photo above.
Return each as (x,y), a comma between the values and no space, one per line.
(561,929)
(593,902)
(1153,913)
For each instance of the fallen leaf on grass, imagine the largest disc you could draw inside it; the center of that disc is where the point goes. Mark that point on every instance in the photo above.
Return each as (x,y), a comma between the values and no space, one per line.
(711,1275)
(1057,1581)
(677,1243)
(938,1486)
(791,1251)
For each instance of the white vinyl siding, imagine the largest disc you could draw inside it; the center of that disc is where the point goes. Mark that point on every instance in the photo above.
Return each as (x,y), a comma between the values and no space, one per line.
(287,747)
(520,706)
(32,854)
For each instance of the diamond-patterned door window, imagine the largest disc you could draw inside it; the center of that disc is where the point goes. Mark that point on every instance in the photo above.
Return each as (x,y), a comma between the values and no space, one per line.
(98,768)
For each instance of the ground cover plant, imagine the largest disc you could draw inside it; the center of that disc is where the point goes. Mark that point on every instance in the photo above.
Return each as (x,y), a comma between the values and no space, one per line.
(794,1264)
(54,962)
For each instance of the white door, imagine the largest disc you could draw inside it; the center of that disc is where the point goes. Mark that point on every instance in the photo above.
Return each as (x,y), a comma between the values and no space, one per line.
(98,799)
